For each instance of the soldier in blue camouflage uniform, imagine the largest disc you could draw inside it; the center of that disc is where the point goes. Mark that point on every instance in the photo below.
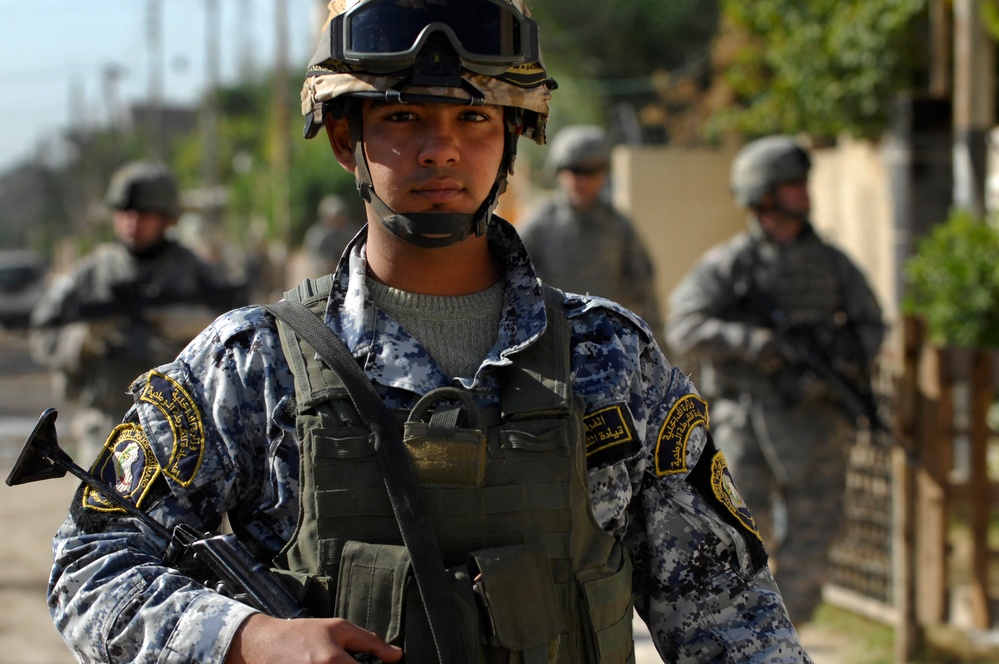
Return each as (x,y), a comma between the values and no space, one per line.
(214,433)
(740,315)
(576,238)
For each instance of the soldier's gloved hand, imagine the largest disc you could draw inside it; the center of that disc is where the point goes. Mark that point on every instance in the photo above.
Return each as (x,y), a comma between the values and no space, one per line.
(812,387)
(101,336)
(767,350)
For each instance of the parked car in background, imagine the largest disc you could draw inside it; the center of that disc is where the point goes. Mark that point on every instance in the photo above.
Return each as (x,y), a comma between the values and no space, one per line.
(22,282)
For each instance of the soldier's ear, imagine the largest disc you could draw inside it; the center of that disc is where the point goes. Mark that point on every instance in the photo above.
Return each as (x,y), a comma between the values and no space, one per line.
(338,132)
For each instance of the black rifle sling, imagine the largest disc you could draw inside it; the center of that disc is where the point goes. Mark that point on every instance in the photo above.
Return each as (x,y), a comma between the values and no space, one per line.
(400,479)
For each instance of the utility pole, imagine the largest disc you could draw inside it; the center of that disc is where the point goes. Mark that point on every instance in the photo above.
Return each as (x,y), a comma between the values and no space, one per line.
(940,48)
(974,105)
(210,113)
(244,41)
(154,40)
(111,75)
(282,146)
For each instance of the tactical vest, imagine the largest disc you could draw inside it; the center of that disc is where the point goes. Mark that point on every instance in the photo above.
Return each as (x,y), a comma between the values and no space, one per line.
(801,281)
(534,576)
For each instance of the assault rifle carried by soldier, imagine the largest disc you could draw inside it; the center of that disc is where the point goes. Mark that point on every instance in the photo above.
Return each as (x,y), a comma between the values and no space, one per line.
(220,562)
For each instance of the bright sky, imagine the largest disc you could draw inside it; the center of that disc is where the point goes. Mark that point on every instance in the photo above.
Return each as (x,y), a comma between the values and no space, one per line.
(54,55)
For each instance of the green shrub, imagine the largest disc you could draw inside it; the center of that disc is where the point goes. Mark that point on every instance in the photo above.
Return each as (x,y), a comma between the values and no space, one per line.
(953,282)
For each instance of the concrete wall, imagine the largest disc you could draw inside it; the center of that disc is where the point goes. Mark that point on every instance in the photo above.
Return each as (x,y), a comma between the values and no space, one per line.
(680,203)
(852,207)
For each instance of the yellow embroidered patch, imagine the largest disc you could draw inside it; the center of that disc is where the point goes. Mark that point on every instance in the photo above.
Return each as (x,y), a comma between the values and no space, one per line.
(185,422)
(606,428)
(127,465)
(725,491)
(688,413)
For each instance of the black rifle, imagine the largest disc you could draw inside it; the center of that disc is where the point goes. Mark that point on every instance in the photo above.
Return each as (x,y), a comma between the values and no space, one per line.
(810,353)
(220,562)
(133,301)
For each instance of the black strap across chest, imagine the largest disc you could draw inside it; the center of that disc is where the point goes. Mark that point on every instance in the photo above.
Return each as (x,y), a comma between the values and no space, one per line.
(400,478)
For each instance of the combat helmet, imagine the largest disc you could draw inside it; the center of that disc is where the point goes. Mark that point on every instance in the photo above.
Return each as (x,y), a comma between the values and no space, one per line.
(762,164)
(145,186)
(470,52)
(582,147)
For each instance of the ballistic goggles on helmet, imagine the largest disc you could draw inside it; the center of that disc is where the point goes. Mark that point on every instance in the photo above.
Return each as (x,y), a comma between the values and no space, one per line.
(385,36)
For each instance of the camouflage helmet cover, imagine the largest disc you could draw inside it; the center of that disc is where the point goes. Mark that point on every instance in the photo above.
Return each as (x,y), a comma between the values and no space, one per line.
(579,146)
(525,86)
(762,164)
(146,186)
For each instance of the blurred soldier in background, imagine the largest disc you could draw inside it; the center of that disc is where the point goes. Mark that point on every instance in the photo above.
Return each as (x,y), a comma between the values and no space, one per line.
(328,237)
(578,241)
(129,305)
(760,312)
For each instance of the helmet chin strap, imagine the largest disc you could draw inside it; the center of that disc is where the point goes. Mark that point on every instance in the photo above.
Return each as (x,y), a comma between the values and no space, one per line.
(430,229)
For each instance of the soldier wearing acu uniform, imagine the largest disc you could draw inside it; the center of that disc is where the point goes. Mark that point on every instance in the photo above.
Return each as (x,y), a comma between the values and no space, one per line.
(129,305)
(739,316)
(566,467)
(578,241)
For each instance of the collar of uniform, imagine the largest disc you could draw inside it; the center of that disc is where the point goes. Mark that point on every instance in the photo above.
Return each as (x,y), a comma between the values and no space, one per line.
(369,332)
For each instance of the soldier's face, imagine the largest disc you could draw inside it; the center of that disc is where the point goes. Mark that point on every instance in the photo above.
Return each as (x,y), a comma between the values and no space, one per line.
(582,186)
(139,231)
(791,198)
(427,157)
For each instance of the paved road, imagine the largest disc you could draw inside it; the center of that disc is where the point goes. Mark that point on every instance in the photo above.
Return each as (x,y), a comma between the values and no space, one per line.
(30,514)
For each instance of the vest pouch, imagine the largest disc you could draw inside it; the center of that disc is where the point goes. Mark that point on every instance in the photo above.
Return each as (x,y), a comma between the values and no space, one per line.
(457,458)
(376,590)
(606,594)
(450,448)
(372,586)
(516,588)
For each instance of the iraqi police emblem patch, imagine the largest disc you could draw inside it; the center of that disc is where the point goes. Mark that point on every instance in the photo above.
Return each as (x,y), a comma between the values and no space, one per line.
(689,412)
(126,464)
(711,478)
(609,434)
(185,422)
(723,486)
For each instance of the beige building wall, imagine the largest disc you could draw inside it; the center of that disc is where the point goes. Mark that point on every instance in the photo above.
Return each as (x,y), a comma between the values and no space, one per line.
(680,202)
(852,207)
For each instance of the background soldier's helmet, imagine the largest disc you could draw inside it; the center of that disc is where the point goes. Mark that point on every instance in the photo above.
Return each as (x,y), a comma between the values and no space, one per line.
(145,186)
(762,164)
(581,147)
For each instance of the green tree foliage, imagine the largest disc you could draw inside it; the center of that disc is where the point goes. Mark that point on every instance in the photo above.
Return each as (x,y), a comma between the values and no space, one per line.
(606,54)
(819,66)
(953,282)
(246,145)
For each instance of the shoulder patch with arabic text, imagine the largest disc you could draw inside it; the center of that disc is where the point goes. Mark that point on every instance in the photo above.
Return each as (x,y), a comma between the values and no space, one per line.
(689,412)
(610,435)
(185,422)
